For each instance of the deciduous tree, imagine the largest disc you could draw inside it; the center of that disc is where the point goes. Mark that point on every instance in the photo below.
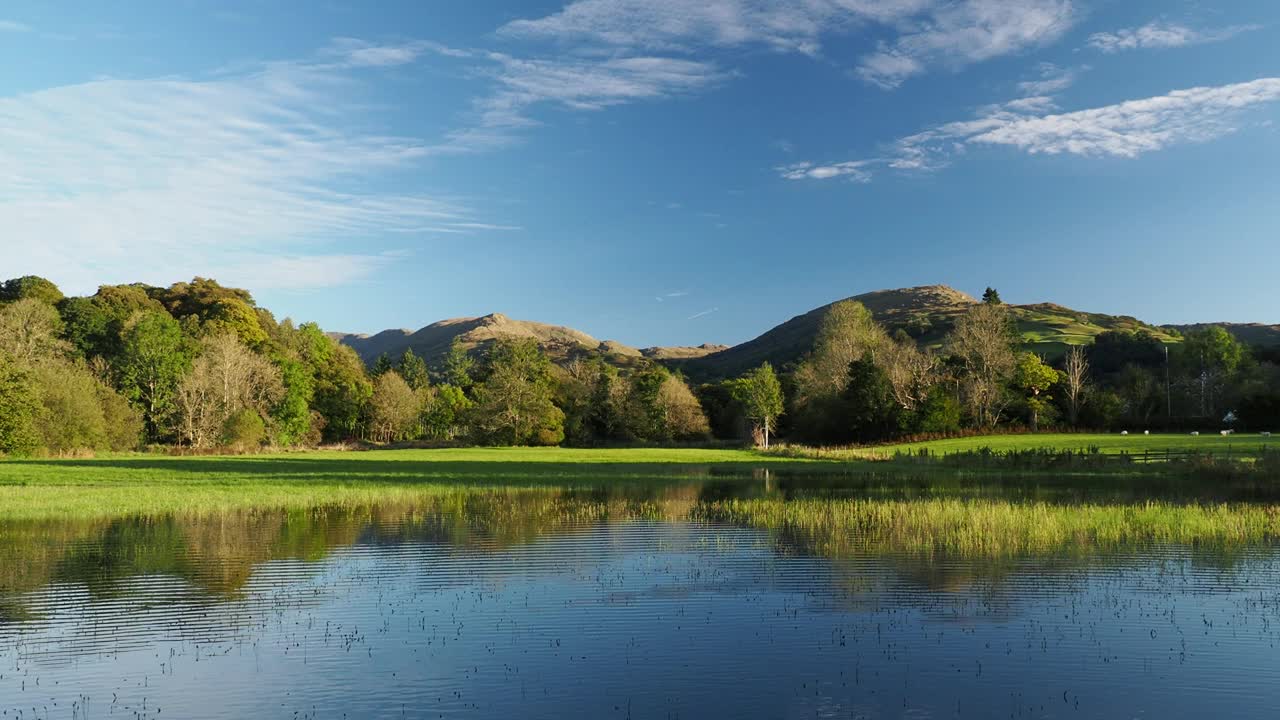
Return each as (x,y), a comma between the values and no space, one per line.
(1075,378)
(760,395)
(984,342)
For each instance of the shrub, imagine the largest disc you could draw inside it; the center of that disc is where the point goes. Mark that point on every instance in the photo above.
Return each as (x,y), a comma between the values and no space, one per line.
(244,431)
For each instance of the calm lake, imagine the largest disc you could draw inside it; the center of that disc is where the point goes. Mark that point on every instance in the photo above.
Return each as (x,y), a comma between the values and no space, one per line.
(626,601)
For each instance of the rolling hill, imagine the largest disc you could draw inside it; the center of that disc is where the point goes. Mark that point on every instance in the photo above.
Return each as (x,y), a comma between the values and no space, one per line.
(925,313)
(476,333)
(1257,334)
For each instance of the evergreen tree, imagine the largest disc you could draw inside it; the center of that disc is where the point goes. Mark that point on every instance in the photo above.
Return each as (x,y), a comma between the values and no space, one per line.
(870,409)
(991,296)
(459,366)
(381,366)
(413,369)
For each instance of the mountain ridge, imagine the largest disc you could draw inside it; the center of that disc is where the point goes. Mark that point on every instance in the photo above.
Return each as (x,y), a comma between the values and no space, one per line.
(925,313)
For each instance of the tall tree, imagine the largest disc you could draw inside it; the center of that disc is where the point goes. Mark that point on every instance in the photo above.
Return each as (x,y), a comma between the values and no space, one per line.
(459,366)
(991,296)
(983,340)
(1034,379)
(30,287)
(291,416)
(1210,356)
(848,331)
(682,411)
(870,409)
(912,372)
(760,394)
(19,405)
(1075,377)
(226,380)
(152,361)
(30,330)
(381,366)
(413,369)
(394,409)
(513,405)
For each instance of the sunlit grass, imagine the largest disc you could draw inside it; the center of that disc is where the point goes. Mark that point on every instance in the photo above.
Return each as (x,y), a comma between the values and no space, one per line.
(997,528)
(1108,444)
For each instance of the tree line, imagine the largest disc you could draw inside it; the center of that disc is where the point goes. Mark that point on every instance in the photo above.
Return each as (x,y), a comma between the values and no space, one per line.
(201,366)
(980,378)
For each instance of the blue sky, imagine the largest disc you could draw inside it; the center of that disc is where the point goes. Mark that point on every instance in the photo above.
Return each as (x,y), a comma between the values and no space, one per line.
(652,171)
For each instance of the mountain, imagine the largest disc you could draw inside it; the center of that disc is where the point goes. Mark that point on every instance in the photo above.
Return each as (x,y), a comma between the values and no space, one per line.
(476,333)
(925,313)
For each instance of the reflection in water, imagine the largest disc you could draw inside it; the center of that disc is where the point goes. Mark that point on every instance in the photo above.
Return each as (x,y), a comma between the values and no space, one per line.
(767,597)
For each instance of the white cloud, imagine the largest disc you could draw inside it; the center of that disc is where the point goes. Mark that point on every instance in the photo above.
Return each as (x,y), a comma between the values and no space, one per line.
(702,314)
(964,33)
(926,32)
(1052,80)
(1160,34)
(856,170)
(679,24)
(358,53)
(521,85)
(13,26)
(1123,130)
(245,176)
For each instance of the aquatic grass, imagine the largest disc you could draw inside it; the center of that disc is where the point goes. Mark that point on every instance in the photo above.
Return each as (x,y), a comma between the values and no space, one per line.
(1210,443)
(994,528)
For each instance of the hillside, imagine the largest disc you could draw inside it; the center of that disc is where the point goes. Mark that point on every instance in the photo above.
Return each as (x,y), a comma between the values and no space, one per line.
(1257,334)
(476,333)
(925,313)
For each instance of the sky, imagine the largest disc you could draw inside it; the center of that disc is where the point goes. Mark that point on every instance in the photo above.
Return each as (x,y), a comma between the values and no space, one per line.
(659,172)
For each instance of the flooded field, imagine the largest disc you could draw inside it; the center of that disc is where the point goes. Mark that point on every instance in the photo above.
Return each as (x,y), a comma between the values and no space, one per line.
(751,597)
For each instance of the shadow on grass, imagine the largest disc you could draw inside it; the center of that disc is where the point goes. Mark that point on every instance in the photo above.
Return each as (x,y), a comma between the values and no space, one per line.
(356,468)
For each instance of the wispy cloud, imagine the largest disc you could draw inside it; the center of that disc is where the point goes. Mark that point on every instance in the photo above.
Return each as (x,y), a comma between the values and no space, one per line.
(1052,80)
(702,314)
(856,170)
(1123,130)
(247,175)
(349,52)
(1159,34)
(521,85)
(13,26)
(670,295)
(963,33)
(925,32)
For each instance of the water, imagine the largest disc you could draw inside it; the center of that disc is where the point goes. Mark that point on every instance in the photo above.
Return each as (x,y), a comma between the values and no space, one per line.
(616,604)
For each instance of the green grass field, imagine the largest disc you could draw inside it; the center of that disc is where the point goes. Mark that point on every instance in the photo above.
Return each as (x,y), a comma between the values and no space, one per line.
(133,484)
(144,484)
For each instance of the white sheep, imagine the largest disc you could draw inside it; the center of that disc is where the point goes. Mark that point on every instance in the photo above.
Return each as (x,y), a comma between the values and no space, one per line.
(1195,433)
(1225,432)
(1124,432)
(1146,432)
(1266,434)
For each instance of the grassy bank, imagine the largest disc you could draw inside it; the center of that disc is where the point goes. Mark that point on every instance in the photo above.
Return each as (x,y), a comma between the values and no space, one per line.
(151,484)
(1109,444)
(111,486)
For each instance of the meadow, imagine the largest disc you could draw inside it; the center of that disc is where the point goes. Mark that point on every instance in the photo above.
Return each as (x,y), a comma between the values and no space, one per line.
(136,484)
